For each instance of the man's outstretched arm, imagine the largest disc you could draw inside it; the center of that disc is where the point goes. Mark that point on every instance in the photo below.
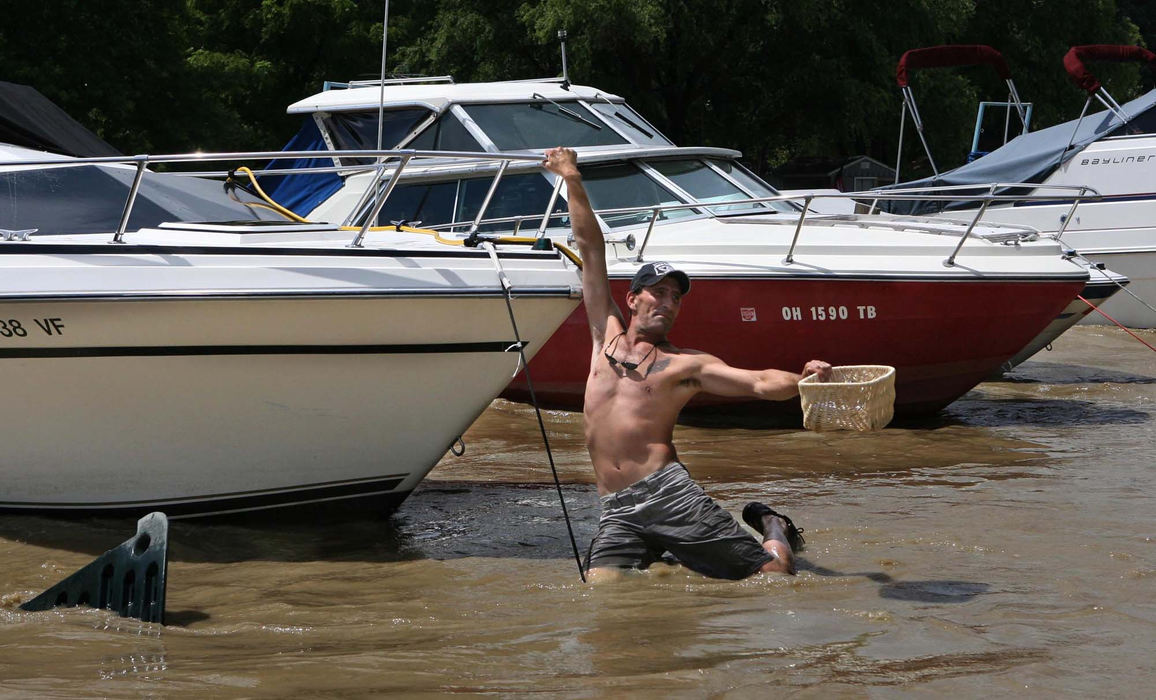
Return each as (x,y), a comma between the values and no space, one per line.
(591,245)
(719,378)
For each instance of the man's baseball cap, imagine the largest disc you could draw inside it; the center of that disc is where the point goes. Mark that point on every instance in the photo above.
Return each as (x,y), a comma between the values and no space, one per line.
(651,274)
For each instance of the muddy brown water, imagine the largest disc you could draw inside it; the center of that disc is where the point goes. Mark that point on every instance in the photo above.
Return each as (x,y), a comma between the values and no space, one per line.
(1007,546)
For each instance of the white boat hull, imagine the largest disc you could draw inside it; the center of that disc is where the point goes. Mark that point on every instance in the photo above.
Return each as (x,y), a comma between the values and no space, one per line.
(196,402)
(1118,230)
(1102,286)
(1129,306)
(1112,233)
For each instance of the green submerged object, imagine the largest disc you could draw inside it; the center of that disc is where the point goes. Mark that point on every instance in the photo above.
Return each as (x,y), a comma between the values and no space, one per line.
(129,579)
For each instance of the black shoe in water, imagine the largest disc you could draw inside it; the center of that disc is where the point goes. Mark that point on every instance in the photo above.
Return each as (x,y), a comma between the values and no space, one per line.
(754,513)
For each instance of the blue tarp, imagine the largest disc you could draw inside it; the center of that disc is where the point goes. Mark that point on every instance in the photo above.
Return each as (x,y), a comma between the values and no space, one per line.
(1032,157)
(301,192)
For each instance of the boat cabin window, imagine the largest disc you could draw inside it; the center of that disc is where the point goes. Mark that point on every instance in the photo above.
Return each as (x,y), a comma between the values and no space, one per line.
(630,123)
(437,203)
(754,185)
(703,183)
(537,125)
(358,130)
(623,185)
(445,134)
(428,203)
(517,195)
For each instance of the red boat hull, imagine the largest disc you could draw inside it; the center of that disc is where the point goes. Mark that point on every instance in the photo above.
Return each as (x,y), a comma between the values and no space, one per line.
(942,337)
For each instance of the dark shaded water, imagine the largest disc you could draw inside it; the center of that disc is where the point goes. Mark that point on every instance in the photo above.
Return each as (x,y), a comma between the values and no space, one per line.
(1008,546)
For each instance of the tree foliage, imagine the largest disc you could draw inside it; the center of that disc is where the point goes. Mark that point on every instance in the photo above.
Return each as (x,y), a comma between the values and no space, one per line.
(776,79)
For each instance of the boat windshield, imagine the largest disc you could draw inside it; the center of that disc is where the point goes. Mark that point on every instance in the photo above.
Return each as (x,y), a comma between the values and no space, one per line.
(620,185)
(751,183)
(445,134)
(538,125)
(355,131)
(630,123)
(623,185)
(706,184)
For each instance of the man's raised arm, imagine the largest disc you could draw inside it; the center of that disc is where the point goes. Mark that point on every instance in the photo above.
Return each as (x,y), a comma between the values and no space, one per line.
(591,246)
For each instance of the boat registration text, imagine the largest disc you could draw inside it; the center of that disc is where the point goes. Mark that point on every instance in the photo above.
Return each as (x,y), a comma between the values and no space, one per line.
(828,313)
(16,328)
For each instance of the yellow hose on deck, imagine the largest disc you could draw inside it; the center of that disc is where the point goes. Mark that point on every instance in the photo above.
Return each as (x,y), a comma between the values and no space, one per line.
(288,214)
(571,255)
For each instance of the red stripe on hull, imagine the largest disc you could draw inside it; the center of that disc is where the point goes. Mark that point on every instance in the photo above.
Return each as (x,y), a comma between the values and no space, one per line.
(943,338)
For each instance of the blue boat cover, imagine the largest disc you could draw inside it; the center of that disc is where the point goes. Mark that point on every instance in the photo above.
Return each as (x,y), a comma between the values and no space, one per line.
(301,192)
(1032,157)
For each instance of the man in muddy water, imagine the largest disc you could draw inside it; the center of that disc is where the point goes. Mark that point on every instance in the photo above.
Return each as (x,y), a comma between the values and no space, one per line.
(637,385)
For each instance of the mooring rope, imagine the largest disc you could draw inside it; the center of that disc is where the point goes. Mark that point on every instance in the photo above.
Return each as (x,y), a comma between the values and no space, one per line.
(1113,280)
(506,286)
(1121,325)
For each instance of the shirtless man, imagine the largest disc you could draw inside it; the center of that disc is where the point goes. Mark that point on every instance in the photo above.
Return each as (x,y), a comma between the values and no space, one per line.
(638,383)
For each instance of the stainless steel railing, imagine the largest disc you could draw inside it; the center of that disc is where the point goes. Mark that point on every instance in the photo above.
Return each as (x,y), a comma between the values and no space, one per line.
(391,163)
(403,156)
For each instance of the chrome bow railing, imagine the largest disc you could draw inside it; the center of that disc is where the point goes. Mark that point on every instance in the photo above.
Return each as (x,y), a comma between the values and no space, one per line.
(387,174)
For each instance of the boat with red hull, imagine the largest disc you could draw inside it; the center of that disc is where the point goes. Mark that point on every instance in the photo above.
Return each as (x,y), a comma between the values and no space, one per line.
(775,282)
(943,339)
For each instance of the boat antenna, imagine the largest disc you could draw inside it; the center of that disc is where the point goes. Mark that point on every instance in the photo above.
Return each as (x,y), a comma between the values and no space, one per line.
(381,98)
(565,69)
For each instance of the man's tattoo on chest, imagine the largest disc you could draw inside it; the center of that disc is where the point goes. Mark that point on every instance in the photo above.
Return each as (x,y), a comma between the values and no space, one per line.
(658,366)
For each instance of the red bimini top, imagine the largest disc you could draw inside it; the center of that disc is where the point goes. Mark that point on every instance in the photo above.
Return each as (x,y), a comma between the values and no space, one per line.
(952,55)
(1082,77)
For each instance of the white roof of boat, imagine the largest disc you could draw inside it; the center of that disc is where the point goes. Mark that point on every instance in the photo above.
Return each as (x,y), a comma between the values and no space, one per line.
(437,95)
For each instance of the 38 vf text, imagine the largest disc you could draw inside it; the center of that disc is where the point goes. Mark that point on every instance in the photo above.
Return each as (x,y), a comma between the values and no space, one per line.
(16,328)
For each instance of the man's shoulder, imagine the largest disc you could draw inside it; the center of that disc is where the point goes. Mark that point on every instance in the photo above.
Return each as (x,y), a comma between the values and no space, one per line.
(689,353)
(686,359)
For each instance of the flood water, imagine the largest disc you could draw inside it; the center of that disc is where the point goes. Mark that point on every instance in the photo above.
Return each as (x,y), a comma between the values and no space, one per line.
(1006,547)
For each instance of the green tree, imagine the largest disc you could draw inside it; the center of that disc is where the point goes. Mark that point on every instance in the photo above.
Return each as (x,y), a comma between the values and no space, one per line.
(252,58)
(774,78)
(118,67)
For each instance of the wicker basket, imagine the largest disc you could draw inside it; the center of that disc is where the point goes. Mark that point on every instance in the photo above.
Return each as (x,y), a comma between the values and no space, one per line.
(858,397)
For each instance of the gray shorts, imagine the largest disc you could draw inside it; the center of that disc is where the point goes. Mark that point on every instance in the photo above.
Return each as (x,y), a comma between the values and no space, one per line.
(668,512)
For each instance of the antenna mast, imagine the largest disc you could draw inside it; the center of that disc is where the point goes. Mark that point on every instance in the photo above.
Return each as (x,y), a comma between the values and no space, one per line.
(381,99)
(565,69)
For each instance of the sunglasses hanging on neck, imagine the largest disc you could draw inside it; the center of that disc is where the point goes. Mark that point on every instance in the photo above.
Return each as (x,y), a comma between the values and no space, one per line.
(629,366)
